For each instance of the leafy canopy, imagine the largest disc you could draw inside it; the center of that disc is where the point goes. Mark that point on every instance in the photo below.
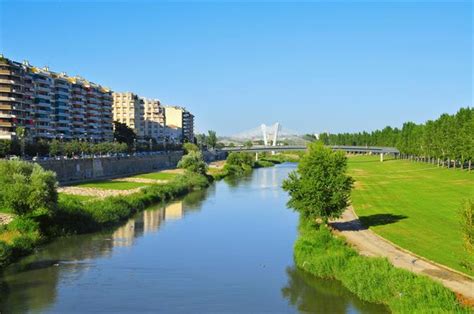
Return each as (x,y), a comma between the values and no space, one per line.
(319,188)
(27,187)
(193,162)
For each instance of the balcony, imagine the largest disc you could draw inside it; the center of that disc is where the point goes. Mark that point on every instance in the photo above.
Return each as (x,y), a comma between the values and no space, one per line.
(62,93)
(6,124)
(62,106)
(93,128)
(78,123)
(93,118)
(4,98)
(43,119)
(62,114)
(79,130)
(41,79)
(43,89)
(7,115)
(93,112)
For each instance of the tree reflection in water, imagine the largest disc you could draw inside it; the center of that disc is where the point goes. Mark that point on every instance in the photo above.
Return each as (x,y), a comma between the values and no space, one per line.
(30,284)
(309,294)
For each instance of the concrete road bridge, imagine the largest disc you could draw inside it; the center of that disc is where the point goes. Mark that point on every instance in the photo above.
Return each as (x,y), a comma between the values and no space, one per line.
(382,151)
(272,135)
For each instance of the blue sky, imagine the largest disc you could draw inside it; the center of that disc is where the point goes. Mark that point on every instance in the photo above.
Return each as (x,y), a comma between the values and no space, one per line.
(320,66)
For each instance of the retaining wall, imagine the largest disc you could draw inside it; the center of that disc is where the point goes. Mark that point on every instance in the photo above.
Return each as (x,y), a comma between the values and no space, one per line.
(77,170)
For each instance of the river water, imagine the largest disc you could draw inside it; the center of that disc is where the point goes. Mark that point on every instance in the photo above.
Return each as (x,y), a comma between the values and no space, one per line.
(227,249)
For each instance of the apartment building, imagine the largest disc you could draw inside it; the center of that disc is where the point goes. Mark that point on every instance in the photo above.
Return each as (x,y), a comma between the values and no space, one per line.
(154,123)
(179,117)
(128,108)
(52,105)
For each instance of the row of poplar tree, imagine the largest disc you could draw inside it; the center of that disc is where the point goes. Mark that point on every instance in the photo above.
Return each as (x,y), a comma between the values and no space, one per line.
(450,137)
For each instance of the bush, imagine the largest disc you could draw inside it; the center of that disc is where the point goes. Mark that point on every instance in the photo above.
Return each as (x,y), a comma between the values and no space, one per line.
(26,187)
(320,187)
(467,227)
(5,254)
(190,147)
(240,159)
(194,163)
(24,225)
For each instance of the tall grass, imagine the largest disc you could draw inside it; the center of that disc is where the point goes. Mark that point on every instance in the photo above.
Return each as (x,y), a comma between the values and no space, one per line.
(371,279)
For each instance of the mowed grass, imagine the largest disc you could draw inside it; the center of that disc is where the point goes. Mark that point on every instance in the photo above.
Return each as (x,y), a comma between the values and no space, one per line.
(414,205)
(157,176)
(112,185)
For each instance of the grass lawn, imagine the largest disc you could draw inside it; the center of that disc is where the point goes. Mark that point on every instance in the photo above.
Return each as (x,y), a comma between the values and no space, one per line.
(112,185)
(157,176)
(414,205)
(82,198)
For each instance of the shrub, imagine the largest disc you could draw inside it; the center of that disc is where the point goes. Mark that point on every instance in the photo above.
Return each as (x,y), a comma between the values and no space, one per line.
(190,147)
(467,227)
(193,162)
(5,254)
(24,225)
(320,187)
(26,187)
(240,159)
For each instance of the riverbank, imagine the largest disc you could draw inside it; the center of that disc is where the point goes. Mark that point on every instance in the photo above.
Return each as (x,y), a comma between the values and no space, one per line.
(73,215)
(368,243)
(372,279)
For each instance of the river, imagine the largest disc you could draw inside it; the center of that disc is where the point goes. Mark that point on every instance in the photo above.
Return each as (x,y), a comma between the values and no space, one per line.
(227,249)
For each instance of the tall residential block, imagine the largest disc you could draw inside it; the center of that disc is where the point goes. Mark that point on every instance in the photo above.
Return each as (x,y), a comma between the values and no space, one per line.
(52,105)
(128,108)
(180,118)
(154,124)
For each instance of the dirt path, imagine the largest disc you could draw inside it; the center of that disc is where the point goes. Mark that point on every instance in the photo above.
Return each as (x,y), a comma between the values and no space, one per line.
(100,193)
(5,219)
(370,244)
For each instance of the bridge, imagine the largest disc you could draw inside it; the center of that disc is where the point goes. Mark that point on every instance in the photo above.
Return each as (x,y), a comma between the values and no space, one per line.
(382,151)
(273,136)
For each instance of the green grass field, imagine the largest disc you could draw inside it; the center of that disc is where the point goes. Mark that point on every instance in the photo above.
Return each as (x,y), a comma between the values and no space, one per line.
(157,176)
(112,185)
(414,205)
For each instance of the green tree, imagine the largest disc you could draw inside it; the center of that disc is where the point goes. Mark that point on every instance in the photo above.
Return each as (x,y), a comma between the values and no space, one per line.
(190,147)
(201,140)
(124,134)
(193,162)
(320,187)
(248,144)
(55,148)
(212,139)
(21,134)
(5,147)
(27,187)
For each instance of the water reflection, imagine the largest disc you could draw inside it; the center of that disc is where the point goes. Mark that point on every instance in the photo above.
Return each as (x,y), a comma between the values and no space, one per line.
(310,294)
(30,284)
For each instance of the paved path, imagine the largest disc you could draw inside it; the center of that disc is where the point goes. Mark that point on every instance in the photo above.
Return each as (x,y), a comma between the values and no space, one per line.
(370,244)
